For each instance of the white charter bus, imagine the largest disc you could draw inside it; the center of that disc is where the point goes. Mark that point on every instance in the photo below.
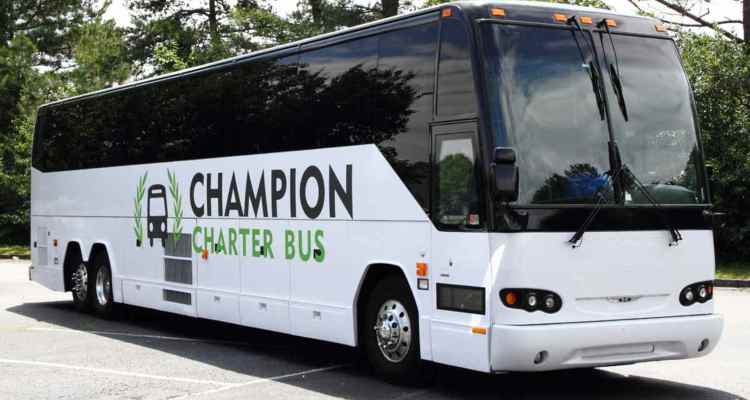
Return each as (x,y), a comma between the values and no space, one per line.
(499,186)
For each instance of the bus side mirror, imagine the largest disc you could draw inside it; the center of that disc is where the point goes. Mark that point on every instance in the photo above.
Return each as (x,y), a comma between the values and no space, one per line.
(505,174)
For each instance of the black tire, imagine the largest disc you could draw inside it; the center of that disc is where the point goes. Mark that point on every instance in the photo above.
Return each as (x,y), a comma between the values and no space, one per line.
(79,286)
(102,301)
(410,369)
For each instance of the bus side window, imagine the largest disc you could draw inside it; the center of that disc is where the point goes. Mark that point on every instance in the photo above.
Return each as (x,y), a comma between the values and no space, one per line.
(456,196)
(455,79)
(408,56)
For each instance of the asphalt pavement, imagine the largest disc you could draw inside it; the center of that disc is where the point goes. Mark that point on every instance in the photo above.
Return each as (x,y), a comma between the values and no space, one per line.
(50,351)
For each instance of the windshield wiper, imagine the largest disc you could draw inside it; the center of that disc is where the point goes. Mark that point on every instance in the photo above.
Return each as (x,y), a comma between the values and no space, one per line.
(593,71)
(614,69)
(673,232)
(601,97)
(577,239)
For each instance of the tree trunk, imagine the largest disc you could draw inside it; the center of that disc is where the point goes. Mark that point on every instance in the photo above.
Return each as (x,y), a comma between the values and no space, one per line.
(746,19)
(390,7)
(316,8)
(213,25)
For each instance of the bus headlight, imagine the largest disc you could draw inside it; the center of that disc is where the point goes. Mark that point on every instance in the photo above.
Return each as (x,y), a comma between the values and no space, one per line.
(699,292)
(531,300)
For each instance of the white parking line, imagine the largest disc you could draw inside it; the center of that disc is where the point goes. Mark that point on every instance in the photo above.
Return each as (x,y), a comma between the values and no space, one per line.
(141,335)
(115,372)
(261,380)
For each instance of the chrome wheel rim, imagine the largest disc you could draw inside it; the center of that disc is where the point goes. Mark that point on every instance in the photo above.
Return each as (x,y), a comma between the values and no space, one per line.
(393,331)
(81,282)
(103,286)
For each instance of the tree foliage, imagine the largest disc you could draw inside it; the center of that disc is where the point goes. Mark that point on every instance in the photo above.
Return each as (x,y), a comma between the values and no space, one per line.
(719,70)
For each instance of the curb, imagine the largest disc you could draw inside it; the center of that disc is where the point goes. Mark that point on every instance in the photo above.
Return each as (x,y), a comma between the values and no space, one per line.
(14,257)
(735,283)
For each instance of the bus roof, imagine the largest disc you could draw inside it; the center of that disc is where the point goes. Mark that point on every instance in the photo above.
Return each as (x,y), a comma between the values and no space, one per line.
(475,9)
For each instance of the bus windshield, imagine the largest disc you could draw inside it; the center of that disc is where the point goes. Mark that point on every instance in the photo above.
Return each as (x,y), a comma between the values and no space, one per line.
(543,103)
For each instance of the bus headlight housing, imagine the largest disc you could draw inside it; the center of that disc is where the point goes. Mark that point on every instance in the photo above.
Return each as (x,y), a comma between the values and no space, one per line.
(531,300)
(699,292)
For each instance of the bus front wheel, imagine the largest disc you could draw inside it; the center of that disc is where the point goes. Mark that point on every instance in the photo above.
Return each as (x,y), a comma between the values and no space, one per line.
(391,332)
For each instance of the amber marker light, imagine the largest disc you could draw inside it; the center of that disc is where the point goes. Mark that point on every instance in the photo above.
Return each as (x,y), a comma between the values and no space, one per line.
(497,12)
(479,330)
(511,298)
(447,12)
(661,28)
(610,23)
(560,17)
(586,20)
(421,269)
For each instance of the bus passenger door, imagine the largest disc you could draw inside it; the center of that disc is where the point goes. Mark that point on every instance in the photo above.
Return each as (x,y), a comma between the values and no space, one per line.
(460,249)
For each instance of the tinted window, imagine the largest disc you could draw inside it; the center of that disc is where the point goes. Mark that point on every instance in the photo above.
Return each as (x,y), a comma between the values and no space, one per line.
(375,90)
(455,80)
(539,78)
(410,53)
(658,142)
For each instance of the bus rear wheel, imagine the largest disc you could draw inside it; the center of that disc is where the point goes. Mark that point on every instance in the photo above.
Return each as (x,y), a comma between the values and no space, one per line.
(79,281)
(391,332)
(101,286)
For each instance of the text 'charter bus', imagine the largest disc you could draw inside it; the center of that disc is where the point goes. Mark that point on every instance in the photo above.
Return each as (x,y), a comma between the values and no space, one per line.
(499,186)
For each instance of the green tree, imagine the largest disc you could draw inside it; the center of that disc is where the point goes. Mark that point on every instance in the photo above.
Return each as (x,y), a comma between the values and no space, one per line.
(99,55)
(35,36)
(719,70)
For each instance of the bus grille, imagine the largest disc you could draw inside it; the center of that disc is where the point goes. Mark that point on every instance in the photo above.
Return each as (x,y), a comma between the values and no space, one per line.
(178,271)
(177,297)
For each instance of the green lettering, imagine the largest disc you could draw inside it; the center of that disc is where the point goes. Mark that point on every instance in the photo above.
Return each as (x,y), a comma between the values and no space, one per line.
(232,241)
(197,249)
(221,244)
(244,232)
(256,242)
(302,255)
(209,242)
(267,241)
(288,244)
(320,254)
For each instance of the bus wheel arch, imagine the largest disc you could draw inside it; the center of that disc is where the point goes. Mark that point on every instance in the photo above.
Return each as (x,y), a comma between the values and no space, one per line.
(373,273)
(379,336)
(73,257)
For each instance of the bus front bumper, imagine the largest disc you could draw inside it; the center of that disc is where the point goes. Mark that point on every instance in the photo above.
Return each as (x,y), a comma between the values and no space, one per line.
(594,344)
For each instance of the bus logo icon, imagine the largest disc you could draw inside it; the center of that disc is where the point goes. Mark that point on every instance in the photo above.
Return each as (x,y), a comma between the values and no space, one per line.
(156,214)
(157,211)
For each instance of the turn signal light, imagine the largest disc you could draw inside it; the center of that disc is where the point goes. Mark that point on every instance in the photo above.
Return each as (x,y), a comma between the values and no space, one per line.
(447,12)
(661,28)
(610,23)
(497,12)
(532,300)
(560,17)
(586,20)
(699,292)
(510,298)
(421,269)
